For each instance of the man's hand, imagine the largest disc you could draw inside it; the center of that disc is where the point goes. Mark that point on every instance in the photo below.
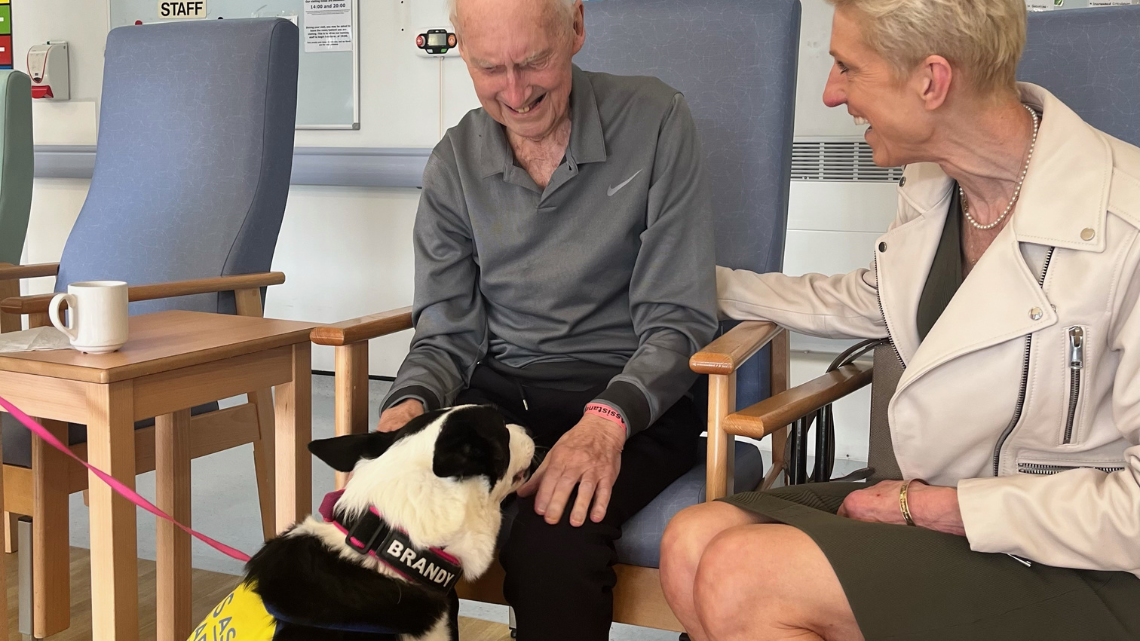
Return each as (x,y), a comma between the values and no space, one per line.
(589,456)
(934,508)
(399,414)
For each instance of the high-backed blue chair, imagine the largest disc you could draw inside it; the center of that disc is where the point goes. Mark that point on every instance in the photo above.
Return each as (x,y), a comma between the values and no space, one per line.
(191,177)
(15,177)
(735,61)
(15,162)
(1090,60)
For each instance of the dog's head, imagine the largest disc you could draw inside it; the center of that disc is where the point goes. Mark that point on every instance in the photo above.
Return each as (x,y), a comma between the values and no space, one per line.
(440,478)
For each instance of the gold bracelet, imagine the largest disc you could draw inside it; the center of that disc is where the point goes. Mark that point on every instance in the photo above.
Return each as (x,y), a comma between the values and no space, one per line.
(903,505)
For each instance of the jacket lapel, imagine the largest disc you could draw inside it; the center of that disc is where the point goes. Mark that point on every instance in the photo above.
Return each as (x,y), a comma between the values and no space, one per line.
(904,254)
(1002,295)
(1064,200)
(997,302)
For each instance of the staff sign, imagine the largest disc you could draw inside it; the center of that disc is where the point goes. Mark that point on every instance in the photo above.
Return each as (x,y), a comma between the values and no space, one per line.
(182,9)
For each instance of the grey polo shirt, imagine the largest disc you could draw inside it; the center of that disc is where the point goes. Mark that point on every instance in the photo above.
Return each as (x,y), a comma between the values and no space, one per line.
(610,266)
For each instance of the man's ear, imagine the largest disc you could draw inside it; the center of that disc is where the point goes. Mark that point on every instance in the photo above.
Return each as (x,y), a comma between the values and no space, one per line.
(341,453)
(473,442)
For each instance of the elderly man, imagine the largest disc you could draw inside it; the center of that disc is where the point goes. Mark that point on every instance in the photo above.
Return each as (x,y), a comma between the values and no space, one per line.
(564,273)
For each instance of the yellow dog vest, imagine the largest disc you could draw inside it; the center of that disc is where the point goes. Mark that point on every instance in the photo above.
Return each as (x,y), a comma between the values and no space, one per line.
(241,616)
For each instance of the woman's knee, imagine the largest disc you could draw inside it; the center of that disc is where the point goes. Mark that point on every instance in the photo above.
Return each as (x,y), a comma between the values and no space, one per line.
(721,572)
(690,532)
(764,578)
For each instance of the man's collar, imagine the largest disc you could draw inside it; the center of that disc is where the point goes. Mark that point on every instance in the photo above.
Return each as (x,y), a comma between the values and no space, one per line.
(587,138)
(371,535)
(1065,193)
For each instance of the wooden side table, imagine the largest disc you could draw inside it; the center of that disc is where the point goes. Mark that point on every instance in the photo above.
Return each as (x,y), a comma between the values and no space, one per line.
(172,361)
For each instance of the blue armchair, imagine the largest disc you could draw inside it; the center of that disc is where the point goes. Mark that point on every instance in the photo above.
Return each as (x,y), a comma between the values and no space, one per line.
(191,178)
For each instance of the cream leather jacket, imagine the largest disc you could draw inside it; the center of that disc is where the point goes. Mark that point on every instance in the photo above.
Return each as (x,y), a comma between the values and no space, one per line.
(1025,394)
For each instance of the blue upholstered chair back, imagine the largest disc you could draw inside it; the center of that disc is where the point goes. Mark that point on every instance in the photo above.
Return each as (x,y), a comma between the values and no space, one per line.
(735,61)
(1090,59)
(193,160)
(15,162)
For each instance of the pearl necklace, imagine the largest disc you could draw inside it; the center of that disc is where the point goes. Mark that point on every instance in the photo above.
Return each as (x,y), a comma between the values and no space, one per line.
(1016,192)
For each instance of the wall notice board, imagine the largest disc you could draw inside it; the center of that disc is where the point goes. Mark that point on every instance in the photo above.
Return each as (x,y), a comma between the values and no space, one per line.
(328,91)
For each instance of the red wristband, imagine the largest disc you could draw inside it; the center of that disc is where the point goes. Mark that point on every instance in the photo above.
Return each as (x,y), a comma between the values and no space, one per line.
(606,412)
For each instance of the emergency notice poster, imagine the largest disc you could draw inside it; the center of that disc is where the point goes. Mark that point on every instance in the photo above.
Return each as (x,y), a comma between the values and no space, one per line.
(328,25)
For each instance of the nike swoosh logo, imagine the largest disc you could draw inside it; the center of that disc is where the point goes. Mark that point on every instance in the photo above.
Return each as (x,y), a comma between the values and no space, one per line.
(613,190)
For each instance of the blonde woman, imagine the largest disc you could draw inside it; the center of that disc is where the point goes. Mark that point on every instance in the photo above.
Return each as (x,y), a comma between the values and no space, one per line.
(1008,285)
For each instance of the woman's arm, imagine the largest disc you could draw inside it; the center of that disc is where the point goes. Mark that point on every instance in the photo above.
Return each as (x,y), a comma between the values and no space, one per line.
(840,306)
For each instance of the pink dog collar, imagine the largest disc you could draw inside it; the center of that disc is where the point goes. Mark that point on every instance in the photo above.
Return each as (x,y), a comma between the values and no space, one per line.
(371,535)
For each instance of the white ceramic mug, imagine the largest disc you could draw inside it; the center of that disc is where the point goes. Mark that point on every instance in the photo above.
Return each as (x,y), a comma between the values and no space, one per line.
(98,314)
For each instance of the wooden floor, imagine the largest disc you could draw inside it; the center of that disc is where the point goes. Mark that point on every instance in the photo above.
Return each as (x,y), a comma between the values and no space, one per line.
(209,589)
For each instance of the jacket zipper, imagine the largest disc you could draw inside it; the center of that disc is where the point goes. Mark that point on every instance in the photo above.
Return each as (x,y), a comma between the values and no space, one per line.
(883,313)
(1017,409)
(1042,469)
(1076,364)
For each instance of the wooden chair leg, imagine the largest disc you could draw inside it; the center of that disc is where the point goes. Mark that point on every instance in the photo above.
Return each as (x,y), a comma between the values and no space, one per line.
(351,397)
(172,489)
(11,539)
(263,460)
(51,573)
(780,377)
(720,474)
(9,288)
(293,405)
(248,303)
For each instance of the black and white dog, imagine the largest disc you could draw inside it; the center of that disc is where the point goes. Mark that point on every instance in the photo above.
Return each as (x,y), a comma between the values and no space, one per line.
(422,508)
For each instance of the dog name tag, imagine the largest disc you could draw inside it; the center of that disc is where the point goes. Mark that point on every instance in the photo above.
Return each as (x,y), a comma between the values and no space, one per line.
(422,566)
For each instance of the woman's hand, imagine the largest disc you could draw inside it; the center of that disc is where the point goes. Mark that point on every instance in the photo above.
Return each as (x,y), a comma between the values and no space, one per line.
(931,507)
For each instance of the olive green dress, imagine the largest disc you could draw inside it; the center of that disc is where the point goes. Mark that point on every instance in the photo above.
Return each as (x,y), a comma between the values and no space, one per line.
(911,583)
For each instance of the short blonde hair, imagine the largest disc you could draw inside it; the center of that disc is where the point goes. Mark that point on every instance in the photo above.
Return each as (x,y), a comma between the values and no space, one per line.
(983,38)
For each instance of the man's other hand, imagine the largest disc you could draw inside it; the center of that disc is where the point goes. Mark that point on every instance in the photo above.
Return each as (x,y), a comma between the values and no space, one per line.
(399,414)
(589,456)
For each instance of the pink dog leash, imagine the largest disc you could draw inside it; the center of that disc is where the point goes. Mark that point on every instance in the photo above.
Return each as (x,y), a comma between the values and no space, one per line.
(116,485)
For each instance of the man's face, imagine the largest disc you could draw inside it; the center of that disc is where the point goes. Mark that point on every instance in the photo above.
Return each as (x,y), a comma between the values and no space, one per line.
(861,79)
(518,53)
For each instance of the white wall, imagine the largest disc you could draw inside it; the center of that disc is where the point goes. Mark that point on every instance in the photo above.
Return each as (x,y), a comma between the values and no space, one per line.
(346,251)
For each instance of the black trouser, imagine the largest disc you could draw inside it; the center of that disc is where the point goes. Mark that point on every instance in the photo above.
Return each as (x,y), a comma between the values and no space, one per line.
(560,578)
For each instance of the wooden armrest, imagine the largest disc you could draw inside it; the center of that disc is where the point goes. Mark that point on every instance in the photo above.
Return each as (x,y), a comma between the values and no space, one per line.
(17,272)
(363,328)
(778,411)
(727,353)
(39,304)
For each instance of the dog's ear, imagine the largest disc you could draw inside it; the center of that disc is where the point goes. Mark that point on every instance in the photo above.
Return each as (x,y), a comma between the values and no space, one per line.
(473,441)
(342,452)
